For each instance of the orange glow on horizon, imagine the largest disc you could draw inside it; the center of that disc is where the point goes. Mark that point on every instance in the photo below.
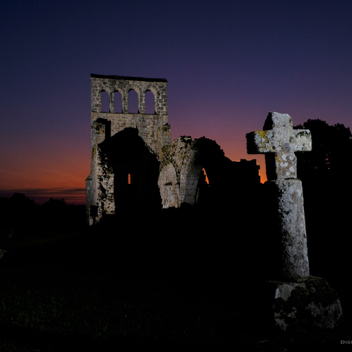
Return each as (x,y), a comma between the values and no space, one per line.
(61,174)
(49,175)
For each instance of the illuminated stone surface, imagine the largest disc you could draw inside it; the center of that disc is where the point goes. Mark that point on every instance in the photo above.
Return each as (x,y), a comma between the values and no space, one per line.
(308,304)
(137,147)
(153,129)
(279,142)
(181,166)
(299,302)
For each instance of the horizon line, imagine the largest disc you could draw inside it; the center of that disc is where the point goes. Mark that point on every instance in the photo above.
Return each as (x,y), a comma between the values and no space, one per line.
(74,195)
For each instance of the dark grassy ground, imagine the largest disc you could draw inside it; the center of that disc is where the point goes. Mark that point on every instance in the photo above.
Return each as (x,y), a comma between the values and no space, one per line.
(176,279)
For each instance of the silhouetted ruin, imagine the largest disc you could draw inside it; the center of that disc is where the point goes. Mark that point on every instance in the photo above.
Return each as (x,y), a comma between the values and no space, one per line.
(135,165)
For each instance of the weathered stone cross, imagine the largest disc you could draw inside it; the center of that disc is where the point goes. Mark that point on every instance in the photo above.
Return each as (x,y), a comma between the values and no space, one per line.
(279,142)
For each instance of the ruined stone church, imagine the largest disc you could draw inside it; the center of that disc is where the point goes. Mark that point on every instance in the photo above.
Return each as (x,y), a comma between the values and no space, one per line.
(135,165)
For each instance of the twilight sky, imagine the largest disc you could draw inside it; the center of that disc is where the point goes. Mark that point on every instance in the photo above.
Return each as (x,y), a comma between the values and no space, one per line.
(227,62)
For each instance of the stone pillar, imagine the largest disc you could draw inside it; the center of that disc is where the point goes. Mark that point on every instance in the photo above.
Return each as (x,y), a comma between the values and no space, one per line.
(125,102)
(279,141)
(112,101)
(141,102)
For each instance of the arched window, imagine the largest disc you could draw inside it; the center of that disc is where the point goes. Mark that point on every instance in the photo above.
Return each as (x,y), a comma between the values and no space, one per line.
(105,101)
(132,102)
(206,176)
(203,191)
(118,102)
(149,102)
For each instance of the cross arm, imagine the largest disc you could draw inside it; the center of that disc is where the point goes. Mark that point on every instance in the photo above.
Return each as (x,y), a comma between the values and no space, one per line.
(302,141)
(279,142)
(259,142)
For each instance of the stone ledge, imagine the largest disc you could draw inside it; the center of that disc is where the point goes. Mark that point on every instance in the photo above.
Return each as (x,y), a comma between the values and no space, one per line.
(128,78)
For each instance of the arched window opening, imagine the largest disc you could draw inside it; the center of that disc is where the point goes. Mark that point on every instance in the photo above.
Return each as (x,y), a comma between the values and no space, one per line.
(132,102)
(105,101)
(203,190)
(149,102)
(118,102)
(136,171)
(206,176)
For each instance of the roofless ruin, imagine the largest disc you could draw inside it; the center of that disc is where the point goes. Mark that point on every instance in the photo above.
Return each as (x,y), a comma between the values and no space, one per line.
(135,164)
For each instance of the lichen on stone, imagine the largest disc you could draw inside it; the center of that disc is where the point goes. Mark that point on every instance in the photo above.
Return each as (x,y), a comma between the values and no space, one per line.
(310,303)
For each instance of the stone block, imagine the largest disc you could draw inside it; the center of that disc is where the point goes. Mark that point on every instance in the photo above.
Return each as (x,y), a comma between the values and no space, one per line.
(309,304)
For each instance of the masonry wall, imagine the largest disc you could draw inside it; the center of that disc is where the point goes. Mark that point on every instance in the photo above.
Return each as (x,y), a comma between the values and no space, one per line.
(152,128)
(137,146)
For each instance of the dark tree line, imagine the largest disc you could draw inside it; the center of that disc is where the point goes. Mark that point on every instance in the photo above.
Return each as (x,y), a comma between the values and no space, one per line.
(20,215)
(326,176)
(331,157)
(326,170)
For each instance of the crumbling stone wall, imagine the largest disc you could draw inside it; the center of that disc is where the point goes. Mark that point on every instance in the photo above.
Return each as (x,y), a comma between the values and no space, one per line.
(167,174)
(152,128)
(175,157)
(181,172)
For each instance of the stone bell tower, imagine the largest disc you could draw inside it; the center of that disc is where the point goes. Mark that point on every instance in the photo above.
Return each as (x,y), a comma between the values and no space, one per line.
(126,147)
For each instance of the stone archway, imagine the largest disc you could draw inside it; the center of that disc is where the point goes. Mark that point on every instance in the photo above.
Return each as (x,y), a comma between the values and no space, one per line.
(135,169)
(169,187)
(182,172)
(204,157)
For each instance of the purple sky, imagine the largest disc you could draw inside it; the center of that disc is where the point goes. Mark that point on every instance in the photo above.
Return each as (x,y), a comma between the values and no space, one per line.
(227,64)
